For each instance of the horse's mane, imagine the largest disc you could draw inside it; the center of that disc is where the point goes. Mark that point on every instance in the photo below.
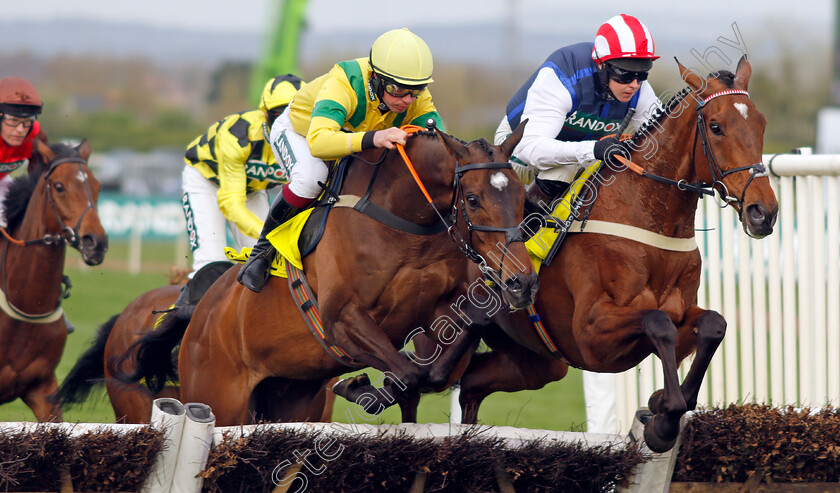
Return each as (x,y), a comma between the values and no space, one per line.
(725,76)
(20,190)
(482,143)
(17,199)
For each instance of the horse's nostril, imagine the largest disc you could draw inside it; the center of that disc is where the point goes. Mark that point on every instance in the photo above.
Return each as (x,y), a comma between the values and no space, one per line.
(514,285)
(755,213)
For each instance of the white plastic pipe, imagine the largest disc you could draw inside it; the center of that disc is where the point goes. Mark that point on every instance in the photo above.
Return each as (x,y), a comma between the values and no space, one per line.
(168,415)
(196,440)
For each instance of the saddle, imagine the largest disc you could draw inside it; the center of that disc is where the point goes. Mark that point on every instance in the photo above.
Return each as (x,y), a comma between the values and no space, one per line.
(195,288)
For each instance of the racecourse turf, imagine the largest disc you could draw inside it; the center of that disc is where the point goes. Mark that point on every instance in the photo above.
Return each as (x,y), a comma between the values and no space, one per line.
(99,292)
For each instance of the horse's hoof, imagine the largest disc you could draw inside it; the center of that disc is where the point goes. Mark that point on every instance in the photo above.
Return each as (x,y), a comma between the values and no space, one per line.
(345,385)
(655,442)
(341,387)
(655,401)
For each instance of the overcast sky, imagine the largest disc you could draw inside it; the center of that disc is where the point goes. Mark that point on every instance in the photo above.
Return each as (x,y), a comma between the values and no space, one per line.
(254,15)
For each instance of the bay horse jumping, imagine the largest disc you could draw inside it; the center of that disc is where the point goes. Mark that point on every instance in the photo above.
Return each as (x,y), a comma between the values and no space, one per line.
(132,403)
(374,282)
(609,300)
(51,208)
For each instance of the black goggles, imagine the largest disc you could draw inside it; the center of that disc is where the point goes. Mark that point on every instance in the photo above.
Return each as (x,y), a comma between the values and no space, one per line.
(399,91)
(625,76)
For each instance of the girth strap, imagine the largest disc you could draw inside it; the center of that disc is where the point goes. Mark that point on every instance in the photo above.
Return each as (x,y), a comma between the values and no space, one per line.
(539,327)
(307,303)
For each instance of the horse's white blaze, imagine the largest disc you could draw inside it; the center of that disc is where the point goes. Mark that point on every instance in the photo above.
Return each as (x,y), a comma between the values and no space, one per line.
(81,176)
(742,109)
(499,180)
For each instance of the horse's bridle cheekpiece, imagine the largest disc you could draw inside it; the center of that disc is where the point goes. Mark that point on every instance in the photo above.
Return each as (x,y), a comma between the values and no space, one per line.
(70,235)
(757,169)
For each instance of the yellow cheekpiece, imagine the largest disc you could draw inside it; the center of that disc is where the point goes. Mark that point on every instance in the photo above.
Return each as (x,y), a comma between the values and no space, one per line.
(285,239)
(539,245)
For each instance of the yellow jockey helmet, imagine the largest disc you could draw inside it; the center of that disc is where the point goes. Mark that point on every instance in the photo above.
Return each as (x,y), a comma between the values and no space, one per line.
(401,56)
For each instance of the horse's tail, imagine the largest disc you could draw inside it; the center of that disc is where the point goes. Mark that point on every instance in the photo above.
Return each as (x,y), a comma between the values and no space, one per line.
(89,370)
(152,355)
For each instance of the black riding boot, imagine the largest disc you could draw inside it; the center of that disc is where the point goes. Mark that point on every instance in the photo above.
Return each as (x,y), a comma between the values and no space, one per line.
(254,274)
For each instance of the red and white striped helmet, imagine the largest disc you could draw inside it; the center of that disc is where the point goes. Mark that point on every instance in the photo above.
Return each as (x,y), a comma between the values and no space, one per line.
(623,36)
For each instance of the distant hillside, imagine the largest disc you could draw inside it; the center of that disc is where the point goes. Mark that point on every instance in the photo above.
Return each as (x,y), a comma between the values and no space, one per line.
(482,44)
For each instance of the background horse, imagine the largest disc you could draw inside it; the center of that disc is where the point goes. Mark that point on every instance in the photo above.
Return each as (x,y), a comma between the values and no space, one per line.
(374,283)
(607,301)
(53,207)
(132,403)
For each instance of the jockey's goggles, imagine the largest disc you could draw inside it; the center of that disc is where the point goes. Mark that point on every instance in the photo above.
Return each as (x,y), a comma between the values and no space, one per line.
(625,76)
(399,91)
(16,121)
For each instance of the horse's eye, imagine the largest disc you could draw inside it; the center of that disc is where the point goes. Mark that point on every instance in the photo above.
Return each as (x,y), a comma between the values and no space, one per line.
(59,187)
(716,129)
(473,201)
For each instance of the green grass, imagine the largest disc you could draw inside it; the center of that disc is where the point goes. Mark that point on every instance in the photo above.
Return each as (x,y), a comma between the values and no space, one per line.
(103,291)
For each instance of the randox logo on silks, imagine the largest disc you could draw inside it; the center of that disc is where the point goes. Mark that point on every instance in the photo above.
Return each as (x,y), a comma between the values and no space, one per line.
(260,171)
(192,234)
(9,167)
(583,122)
(284,150)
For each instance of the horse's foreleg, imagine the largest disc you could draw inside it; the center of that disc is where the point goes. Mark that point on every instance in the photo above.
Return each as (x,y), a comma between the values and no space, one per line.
(362,339)
(711,327)
(36,397)
(508,368)
(661,432)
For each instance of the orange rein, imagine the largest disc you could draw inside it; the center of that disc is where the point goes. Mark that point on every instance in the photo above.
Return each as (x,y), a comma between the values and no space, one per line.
(12,240)
(630,165)
(411,129)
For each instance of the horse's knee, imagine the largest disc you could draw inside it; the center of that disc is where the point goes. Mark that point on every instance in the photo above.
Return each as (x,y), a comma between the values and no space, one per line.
(711,327)
(658,326)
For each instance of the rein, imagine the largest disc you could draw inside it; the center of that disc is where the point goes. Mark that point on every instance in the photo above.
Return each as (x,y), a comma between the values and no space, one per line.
(512,233)
(717,173)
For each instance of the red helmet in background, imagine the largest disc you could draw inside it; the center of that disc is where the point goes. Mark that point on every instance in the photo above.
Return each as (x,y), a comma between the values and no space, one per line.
(626,43)
(18,97)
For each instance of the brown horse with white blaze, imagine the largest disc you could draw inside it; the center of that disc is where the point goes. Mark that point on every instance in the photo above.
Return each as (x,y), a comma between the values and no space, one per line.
(374,282)
(52,208)
(610,299)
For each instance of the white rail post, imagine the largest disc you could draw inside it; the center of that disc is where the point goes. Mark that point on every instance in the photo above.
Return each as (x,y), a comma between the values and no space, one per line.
(168,415)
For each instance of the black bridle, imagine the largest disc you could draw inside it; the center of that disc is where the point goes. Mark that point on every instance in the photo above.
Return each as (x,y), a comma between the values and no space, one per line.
(68,235)
(512,233)
(717,188)
(718,174)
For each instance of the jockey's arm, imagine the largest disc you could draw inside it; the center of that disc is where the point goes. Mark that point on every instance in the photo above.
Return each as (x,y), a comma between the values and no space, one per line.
(546,109)
(233,184)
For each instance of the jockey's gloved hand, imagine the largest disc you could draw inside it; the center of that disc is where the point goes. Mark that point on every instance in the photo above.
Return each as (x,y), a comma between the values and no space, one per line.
(605,150)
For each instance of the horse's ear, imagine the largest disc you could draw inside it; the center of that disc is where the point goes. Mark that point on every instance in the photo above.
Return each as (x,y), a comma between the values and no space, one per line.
(84,149)
(41,155)
(513,139)
(693,80)
(45,151)
(454,146)
(743,73)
